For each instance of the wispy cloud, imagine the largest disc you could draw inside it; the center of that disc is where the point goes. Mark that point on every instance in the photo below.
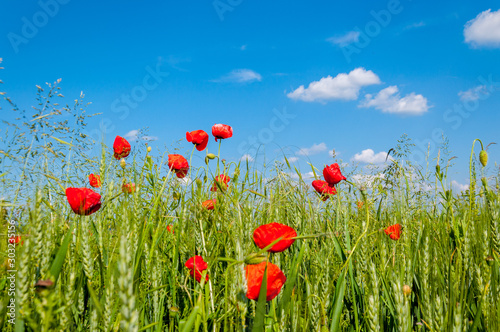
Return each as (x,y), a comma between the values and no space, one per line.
(343,86)
(134,135)
(415,25)
(346,39)
(389,100)
(314,149)
(473,93)
(174,61)
(483,30)
(240,76)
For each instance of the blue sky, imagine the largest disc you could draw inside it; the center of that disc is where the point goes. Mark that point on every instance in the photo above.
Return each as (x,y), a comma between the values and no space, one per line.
(302,77)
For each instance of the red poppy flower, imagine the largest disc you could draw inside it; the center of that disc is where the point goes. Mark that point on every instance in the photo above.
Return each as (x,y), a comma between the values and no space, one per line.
(95,180)
(170,228)
(196,265)
(15,240)
(197,275)
(222,131)
(254,275)
(83,201)
(266,234)
(196,262)
(178,164)
(128,188)
(323,188)
(121,147)
(394,231)
(222,181)
(210,204)
(198,138)
(332,174)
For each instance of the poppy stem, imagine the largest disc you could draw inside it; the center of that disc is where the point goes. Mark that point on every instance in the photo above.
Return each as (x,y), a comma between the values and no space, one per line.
(218,157)
(190,167)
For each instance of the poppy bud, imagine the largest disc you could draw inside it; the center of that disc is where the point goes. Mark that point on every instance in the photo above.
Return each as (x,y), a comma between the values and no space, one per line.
(43,285)
(489,260)
(406,290)
(199,183)
(211,156)
(174,311)
(438,169)
(128,188)
(123,163)
(149,149)
(206,160)
(254,258)
(483,157)
(121,148)
(176,195)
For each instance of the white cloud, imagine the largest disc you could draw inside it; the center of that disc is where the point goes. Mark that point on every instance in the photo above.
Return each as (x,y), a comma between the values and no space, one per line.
(246,157)
(368,156)
(366,180)
(305,176)
(185,181)
(458,186)
(292,159)
(389,100)
(344,40)
(240,76)
(343,86)
(314,149)
(473,93)
(134,135)
(484,30)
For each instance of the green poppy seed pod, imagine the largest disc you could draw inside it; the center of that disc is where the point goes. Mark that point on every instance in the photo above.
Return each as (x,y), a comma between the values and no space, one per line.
(123,163)
(211,156)
(149,149)
(254,258)
(483,157)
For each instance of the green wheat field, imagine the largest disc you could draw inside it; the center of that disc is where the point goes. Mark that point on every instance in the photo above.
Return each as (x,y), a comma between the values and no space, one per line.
(122,268)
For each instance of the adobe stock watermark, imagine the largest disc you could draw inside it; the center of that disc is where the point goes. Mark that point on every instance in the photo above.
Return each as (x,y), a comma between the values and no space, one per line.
(372,29)
(11,272)
(223,6)
(130,100)
(277,124)
(454,117)
(30,27)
